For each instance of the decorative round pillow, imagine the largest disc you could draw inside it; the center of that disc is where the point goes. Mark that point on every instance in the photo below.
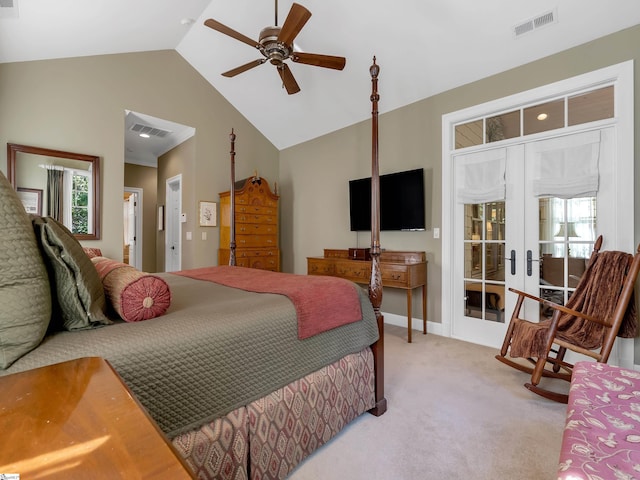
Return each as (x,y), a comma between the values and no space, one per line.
(133,294)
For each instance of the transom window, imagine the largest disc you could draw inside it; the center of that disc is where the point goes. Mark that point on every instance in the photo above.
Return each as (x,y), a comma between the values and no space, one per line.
(574,109)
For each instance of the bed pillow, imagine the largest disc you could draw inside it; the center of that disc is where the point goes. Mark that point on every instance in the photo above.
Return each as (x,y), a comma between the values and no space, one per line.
(25,296)
(79,301)
(133,294)
(92,251)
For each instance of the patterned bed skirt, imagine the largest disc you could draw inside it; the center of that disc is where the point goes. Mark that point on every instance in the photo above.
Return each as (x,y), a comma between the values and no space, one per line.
(269,437)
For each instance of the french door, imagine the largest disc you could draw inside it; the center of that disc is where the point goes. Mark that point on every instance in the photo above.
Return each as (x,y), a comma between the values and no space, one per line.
(520,237)
(525,238)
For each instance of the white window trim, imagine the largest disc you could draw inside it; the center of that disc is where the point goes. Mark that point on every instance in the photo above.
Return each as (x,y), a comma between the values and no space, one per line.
(622,238)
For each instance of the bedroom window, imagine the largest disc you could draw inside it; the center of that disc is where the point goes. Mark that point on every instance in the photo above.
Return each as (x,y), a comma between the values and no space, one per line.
(568,110)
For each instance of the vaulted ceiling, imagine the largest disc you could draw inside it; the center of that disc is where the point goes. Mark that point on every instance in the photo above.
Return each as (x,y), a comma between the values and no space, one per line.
(423,47)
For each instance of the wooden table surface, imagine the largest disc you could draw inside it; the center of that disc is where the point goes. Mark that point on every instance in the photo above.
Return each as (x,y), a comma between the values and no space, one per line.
(77,419)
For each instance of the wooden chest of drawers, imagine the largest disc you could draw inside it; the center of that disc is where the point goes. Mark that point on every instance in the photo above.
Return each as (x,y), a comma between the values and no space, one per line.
(256,222)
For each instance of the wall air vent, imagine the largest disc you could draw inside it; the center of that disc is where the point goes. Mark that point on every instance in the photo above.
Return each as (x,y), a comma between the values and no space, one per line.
(151,131)
(532,24)
(8,8)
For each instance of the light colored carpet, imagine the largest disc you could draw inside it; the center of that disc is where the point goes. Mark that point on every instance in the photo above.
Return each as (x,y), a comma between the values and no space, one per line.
(454,412)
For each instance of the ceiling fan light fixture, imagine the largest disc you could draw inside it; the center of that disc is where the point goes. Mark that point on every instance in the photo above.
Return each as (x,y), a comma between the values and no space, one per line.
(276,52)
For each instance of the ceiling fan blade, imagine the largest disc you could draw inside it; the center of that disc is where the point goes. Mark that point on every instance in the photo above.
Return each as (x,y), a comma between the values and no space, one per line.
(244,68)
(326,61)
(288,80)
(211,23)
(298,16)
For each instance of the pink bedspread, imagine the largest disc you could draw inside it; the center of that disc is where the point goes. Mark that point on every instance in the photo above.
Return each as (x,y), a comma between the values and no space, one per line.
(321,302)
(601,438)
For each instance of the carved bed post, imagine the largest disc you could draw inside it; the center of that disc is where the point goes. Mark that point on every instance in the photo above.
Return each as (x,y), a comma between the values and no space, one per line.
(375,283)
(232,213)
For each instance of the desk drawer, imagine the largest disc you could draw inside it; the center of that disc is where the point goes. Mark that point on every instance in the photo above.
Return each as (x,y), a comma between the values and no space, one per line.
(319,266)
(394,274)
(354,270)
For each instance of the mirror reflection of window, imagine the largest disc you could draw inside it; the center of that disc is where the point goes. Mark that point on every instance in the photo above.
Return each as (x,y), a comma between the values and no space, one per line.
(77,201)
(68,197)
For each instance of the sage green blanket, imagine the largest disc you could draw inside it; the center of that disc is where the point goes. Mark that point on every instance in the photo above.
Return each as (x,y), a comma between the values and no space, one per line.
(216,348)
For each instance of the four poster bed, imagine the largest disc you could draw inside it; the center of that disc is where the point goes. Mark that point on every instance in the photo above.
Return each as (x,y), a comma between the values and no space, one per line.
(246,395)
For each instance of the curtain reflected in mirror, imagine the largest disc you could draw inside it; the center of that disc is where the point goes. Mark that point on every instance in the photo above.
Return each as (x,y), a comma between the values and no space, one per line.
(70,182)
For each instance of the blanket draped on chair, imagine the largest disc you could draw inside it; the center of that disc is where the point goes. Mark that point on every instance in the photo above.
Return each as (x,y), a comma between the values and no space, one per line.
(596,295)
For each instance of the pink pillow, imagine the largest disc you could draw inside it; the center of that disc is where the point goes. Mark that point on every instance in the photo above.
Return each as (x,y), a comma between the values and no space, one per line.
(92,251)
(134,295)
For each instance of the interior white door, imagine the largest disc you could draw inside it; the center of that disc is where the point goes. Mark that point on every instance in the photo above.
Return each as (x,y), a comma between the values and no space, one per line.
(173,232)
(131,228)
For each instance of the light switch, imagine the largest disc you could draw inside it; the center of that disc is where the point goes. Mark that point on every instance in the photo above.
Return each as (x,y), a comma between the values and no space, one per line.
(204,235)
(188,235)
(436,232)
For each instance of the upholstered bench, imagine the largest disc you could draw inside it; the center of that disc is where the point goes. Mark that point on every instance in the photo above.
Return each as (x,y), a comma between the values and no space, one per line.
(601,437)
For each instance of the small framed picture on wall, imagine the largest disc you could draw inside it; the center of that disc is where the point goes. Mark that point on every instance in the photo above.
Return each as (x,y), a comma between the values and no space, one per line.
(31,199)
(208,214)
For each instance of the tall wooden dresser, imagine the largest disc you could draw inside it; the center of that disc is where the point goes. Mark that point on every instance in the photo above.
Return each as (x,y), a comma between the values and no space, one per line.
(256,222)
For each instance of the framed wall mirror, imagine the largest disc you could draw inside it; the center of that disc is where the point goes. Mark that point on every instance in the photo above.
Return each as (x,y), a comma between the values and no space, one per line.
(69,182)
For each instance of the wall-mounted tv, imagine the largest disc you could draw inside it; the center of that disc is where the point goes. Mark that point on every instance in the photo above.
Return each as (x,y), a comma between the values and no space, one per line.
(401,202)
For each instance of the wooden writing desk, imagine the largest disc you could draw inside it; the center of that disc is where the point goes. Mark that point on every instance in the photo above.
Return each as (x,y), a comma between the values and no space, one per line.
(406,270)
(78,420)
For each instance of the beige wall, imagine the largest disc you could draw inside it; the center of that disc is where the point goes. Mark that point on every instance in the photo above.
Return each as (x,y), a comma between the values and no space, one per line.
(78,105)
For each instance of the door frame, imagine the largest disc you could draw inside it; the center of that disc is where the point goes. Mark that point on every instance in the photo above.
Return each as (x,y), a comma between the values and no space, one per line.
(621,238)
(138,215)
(173,222)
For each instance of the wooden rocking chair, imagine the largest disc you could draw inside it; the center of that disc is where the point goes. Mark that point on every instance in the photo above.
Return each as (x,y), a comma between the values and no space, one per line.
(601,308)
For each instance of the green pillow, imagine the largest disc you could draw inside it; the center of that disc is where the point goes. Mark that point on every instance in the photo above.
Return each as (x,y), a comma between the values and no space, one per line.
(25,296)
(79,300)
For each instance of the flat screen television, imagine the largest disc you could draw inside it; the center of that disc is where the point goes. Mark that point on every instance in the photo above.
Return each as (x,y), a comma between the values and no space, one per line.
(401,202)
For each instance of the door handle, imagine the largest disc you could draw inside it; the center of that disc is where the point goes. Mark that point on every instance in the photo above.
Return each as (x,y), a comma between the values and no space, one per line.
(513,261)
(530,260)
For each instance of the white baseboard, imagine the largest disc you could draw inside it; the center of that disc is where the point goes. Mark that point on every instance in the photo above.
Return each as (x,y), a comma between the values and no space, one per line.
(416,323)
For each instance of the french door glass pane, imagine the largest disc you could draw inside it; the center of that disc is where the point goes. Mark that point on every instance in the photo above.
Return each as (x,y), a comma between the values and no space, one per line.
(484,260)
(567,235)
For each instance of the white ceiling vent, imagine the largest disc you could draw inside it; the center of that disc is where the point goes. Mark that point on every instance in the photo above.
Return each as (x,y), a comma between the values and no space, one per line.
(532,24)
(151,131)
(8,8)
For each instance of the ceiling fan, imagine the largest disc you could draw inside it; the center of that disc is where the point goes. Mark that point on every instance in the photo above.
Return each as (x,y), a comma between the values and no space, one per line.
(276,45)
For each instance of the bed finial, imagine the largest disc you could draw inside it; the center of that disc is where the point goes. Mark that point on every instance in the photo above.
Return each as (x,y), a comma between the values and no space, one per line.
(374,69)
(232,221)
